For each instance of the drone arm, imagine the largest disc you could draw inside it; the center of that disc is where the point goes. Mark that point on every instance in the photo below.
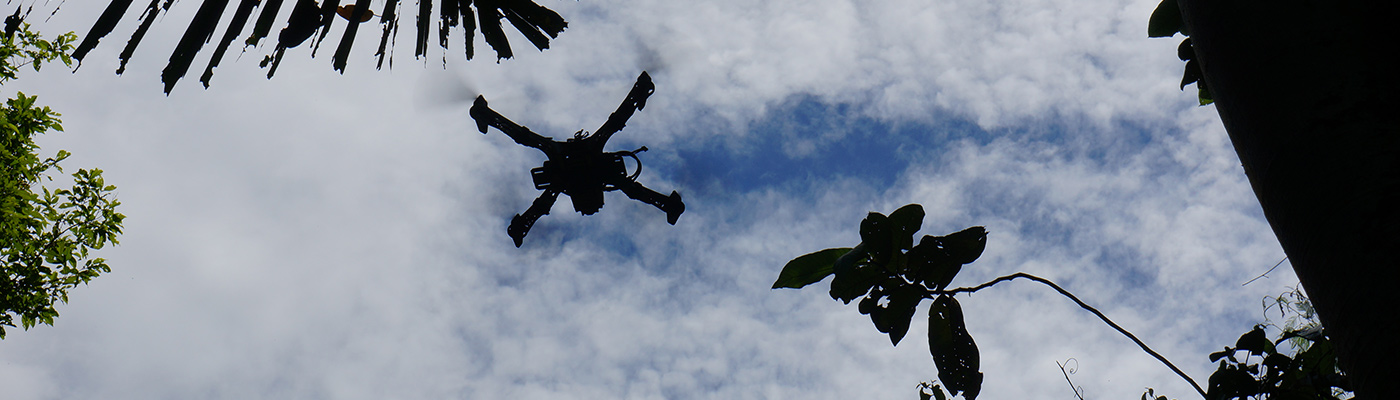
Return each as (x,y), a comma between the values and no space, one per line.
(672,204)
(485,117)
(636,100)
(520,225)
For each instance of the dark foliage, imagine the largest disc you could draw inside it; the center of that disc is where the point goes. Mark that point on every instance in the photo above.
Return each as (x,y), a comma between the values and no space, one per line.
(309,19)
(1166,22)
(894,275)
(1264,372)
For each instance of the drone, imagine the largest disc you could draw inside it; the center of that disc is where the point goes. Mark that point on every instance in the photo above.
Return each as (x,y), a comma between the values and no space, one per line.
(578,167)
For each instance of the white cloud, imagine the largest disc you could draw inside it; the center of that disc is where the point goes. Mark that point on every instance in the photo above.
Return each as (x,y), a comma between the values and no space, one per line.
(326,236)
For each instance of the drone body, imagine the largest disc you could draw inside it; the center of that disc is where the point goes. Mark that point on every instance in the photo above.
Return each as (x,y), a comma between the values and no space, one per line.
(578,167)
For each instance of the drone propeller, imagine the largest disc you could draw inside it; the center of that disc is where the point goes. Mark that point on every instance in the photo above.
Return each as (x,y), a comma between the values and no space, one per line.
(445,89)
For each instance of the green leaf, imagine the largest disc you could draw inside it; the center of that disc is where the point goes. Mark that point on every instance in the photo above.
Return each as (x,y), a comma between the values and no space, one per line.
(1166,20)
(809,268)
(954,352)
(1203,93)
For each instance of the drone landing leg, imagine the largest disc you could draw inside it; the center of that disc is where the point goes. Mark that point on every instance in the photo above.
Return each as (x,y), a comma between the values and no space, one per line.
(520,225)
(672,204)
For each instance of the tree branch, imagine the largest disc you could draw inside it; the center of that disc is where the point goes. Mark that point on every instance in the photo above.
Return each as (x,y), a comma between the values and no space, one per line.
(935,293)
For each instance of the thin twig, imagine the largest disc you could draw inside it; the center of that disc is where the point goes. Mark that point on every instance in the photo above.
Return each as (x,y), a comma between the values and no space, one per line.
(1076,390)
(1266,273)
(935,293)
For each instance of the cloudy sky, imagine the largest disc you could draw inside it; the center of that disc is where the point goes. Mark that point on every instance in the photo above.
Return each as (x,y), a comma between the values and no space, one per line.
(333,236)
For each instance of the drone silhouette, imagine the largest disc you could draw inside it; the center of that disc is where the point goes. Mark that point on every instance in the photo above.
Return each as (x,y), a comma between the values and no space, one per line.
(578,167)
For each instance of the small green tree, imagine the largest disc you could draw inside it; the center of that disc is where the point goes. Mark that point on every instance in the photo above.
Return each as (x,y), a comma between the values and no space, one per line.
(45,234)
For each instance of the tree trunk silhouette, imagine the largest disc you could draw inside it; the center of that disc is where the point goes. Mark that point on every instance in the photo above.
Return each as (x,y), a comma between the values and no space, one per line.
(1308,94)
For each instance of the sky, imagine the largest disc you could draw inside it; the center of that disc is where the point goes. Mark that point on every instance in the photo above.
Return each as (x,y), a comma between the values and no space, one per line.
(329,236)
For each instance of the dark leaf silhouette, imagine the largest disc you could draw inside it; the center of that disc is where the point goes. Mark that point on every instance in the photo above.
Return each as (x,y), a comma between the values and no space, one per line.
(199,32)
(1184,50)
(954,352)
(966,246)
(906,220)
(936,260)
(1166,20)
(12,23)
(894,318)
(387,18)
(264,25)
(490,17)
(852,283)
(1311,373)
(1216,356)
(1255,342)
(468,27)
(931,264)
(355,14)
(1192,74)
(809,268)
(448,16)
(309,17)
(147,18)
(306,16)
(425,17)
(1229,382)
(105,23)
(240,18)
(328,11)
(877,235)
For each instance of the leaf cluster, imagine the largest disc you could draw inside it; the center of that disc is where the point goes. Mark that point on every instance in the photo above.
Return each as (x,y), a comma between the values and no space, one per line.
(1166,21)
(21,47)
(1265,372)
(310,20)
(45,234)
(893,275)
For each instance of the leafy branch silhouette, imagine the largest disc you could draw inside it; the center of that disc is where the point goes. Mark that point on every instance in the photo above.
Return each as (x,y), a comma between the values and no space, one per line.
(308,17)
(894,275)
